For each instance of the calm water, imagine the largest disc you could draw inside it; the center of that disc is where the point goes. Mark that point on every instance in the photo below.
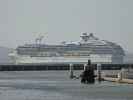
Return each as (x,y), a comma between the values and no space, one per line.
(56,85)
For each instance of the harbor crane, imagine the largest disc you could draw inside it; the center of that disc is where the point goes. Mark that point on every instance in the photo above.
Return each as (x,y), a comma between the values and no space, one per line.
(38,40)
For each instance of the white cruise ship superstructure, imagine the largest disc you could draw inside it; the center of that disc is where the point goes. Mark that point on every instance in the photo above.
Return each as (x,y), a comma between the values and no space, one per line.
(88,48)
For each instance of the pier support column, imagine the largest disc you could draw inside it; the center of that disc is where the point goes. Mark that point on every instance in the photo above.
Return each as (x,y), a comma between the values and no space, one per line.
(129,68)
(121,75)
(85,65)
(71,70)
(99,72)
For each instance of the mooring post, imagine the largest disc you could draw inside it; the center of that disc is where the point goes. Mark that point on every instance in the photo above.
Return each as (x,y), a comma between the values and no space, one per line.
(71,70)
(99,72)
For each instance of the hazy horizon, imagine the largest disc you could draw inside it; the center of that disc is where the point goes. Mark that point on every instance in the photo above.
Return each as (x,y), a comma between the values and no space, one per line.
(65,20)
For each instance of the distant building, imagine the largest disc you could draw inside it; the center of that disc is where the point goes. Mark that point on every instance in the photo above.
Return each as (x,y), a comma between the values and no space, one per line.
(89,47)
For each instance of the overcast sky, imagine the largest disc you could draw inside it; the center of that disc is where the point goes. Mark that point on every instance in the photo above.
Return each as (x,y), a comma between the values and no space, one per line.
(65,20)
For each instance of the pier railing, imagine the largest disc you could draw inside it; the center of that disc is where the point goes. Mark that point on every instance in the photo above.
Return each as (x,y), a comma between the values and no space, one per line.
(11,67)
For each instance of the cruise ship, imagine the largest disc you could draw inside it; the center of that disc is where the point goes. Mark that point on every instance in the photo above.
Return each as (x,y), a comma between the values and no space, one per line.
(87,48)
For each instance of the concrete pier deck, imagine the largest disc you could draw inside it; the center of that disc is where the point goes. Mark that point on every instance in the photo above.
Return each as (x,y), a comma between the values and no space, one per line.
(56,85)
(128,81)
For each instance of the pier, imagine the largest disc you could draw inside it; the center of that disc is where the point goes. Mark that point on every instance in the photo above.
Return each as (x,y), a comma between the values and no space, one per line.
(56,85)
(30,67)
(57,82)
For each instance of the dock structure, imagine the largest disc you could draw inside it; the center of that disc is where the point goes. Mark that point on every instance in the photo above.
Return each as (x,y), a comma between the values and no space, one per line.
(25,67)
(123,76)
(54,85)
(106,69)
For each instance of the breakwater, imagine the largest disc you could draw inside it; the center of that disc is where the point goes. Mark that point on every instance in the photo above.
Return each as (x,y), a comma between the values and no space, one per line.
(12,67)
